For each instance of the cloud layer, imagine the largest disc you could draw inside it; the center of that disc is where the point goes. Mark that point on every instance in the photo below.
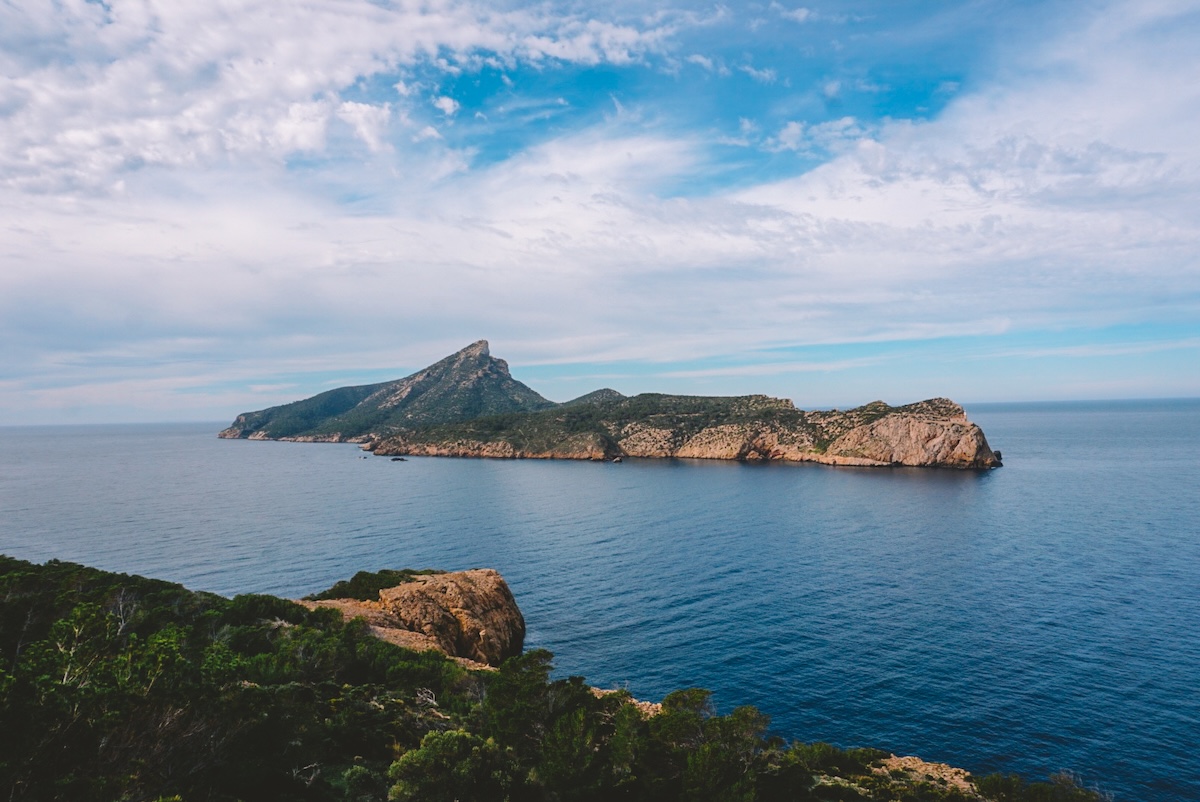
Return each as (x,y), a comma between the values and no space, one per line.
(213,207)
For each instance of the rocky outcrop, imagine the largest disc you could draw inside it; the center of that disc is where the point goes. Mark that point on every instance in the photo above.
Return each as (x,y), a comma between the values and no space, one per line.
(913,771)
(902,440)
(470,615)
(933,433)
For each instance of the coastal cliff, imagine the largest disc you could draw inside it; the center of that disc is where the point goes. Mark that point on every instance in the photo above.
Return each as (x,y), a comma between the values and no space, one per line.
(933,433)
(469,405)
(469,615)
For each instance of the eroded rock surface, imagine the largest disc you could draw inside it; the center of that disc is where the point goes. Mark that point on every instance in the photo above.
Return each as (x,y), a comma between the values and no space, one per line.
(470,615)
(917,770)
(933,433)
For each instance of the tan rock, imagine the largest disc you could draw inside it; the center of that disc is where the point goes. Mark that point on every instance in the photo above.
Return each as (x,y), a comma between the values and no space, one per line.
(470,615)
(911,440)
(923,771)
(932,433)
(640,440)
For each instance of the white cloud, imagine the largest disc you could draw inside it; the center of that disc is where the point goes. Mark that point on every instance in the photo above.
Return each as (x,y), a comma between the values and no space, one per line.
(795,14)
(763,76)
(1066,194)
(446,105)
(831,136)
(368,121)
(92,91)
(303,127)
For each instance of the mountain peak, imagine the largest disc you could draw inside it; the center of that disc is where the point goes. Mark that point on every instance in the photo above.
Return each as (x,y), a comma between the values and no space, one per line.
(477,348)
(467,384)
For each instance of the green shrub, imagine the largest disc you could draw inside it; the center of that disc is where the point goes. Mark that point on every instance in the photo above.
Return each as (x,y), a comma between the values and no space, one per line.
(365,585)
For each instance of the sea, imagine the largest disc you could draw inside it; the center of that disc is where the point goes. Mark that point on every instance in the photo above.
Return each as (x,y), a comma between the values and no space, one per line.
(1036,618)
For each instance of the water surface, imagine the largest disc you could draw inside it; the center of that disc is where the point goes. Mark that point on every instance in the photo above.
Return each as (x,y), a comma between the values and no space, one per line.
(1039,617)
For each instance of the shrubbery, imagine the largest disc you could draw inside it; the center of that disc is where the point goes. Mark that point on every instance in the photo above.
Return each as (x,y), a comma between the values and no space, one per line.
(117,687)
(365,585)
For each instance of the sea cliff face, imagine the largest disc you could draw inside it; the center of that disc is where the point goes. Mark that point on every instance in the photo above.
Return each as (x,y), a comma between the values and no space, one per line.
(470,615)
(929,433)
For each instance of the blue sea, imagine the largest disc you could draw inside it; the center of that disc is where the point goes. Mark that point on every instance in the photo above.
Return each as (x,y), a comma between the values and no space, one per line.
(1039,617)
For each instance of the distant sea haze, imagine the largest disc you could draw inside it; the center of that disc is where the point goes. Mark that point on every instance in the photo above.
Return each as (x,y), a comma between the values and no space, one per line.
(1038,617)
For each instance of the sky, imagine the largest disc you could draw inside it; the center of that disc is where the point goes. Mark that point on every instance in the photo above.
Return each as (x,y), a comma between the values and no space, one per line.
(209,208)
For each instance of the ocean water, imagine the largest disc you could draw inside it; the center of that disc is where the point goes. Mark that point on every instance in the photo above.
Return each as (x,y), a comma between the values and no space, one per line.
(1039,617)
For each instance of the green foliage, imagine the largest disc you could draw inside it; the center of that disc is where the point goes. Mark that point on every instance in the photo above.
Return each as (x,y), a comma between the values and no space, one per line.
(303,417)
(1062,787)
(466,385)
(600,418)
(116,687)
(365,585)
(454,766)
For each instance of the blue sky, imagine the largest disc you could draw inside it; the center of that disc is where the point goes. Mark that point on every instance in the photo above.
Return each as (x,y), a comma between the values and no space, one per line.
(210,208)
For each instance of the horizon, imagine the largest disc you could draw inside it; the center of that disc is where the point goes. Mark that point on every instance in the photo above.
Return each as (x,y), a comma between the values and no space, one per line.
(974,404)
(216,210)
(845,405)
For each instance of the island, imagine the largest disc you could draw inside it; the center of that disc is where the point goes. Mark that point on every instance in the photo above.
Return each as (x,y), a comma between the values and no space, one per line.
(469,405)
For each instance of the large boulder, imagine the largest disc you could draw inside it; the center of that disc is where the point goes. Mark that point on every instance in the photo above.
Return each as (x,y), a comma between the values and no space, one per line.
(469,615)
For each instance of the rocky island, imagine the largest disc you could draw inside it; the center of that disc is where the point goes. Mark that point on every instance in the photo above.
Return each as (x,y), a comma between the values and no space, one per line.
(469,405)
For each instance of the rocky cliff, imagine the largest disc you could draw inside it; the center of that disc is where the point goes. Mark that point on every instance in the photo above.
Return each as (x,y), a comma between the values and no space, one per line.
(470,615)
(757,428)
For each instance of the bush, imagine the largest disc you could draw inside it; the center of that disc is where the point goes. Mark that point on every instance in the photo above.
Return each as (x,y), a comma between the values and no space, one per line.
(365,585)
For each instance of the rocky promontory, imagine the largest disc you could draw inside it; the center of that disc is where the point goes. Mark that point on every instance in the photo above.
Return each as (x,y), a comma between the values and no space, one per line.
(933,433)
(468,615)
(469,405)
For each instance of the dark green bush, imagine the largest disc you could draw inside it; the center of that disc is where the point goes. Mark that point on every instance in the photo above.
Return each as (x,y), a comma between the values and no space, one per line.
(123,688)
(365,585)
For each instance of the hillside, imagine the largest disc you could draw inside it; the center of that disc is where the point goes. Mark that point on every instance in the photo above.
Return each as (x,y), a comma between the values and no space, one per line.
(462,386)
(116,687)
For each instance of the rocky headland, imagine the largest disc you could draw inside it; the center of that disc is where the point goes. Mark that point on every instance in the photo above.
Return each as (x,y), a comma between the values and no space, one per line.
(470,616)
(468,405)
(933,433)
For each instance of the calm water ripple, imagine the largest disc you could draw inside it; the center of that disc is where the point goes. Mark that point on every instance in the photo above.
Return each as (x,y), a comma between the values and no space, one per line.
(1039,617)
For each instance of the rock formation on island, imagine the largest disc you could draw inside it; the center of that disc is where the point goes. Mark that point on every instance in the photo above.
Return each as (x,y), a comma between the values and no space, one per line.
(468,615)
(468,384)
(468,405)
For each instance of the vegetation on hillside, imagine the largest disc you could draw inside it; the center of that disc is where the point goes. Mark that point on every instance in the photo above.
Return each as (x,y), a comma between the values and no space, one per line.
(365,585)
(116,687)
(464,385)
(308,415)
(604,418)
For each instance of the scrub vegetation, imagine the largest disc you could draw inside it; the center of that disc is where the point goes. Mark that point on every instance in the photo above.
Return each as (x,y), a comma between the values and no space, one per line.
(116,687)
